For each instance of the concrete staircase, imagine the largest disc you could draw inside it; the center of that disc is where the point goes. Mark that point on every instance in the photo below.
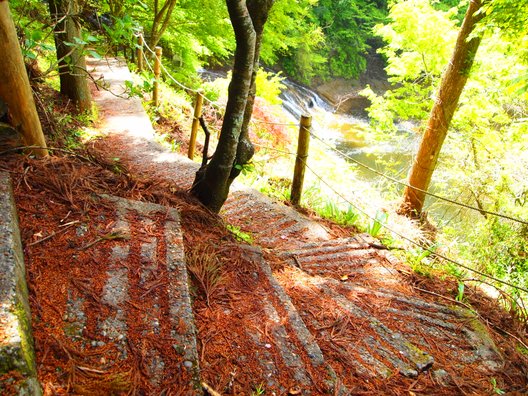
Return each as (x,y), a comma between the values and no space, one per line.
(340,307)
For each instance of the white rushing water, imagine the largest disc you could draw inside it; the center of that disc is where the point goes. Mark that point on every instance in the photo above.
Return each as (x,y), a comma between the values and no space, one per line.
(347,133)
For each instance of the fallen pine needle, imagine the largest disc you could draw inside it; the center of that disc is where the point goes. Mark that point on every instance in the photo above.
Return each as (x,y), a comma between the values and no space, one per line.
(210,390)
(54,233)
(106,237)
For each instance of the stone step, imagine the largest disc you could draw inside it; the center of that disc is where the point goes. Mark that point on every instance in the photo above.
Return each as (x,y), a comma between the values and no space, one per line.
(16,341)
(278,225)
(359,242)
(381,332)
(352,259)
(145,297)
(289,337)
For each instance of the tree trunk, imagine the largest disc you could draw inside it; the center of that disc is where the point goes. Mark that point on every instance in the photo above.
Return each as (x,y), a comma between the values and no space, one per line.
(245,149)
(451,86)
(72,65)
(15,90)
(212,183)
(161,21)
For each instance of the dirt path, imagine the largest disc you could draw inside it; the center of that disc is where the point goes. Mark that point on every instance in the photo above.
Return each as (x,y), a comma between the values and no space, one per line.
(299,312)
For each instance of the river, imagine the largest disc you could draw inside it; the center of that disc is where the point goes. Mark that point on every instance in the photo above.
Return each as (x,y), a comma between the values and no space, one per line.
(352,137)
(350,134)
(347,134)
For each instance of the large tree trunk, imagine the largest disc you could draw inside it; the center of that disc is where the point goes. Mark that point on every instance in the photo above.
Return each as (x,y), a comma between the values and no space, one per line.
(212,183)
(451,86)
(72,65)
(15,90)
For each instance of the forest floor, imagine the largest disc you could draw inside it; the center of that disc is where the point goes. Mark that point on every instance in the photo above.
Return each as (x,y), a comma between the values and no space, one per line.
(307,307)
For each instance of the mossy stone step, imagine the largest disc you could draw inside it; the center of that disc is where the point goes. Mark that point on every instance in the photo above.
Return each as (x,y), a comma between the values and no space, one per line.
(16,341)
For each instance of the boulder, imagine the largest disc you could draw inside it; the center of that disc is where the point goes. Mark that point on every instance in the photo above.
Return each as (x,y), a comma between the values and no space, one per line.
(344,95)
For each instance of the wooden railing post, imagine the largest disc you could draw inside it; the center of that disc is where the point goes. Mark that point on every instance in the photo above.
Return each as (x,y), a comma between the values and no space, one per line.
(157,72)
(194,128)
(140,53)
(300,161)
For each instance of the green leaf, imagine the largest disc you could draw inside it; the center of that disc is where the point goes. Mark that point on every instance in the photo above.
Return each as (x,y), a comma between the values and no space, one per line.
(94,54)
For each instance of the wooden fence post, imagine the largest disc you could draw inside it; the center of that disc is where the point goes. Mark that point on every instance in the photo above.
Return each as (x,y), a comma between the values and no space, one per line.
(300,161)
(140,53)
(194,128)
(157,72)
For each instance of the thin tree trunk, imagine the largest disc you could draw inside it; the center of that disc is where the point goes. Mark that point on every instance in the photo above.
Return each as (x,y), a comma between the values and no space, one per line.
(212,186)
(451,86)
(259,12)
(161,21)
(72,65)
(15,90)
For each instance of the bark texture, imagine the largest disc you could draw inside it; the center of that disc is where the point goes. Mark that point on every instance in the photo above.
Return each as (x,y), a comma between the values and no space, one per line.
(72,65)
(234,149)
(15,90)
(451,86)
(161,20)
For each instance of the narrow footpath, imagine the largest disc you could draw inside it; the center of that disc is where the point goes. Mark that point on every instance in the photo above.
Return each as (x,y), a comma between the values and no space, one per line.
(301,312)
(375,324)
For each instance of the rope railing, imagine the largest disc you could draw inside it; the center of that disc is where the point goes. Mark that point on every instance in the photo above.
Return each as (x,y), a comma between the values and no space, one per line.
(345,155)
(274,149)
(439,197)
(302,158)
(452,261)
(181,85)
(149,65)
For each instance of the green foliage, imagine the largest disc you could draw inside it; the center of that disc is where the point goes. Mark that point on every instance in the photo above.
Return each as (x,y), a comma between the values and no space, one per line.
(419,41)
(245,168)
(258,390)
(139,89)
(34,43)
(508,15)
(496,389)
(416,257)
(348,26)
(347,216)
(331,210)
(460,291)
(324,38)
(502,249)
(32,23)
(122,31)
(269,86)
(377,223)
(293,39)
(194,37)
(239,234)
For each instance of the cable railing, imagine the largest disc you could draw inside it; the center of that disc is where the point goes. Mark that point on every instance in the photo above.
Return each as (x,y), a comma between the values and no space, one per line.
(348,157)
(340,152)
(428,193)
(302,158)
(412,241)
